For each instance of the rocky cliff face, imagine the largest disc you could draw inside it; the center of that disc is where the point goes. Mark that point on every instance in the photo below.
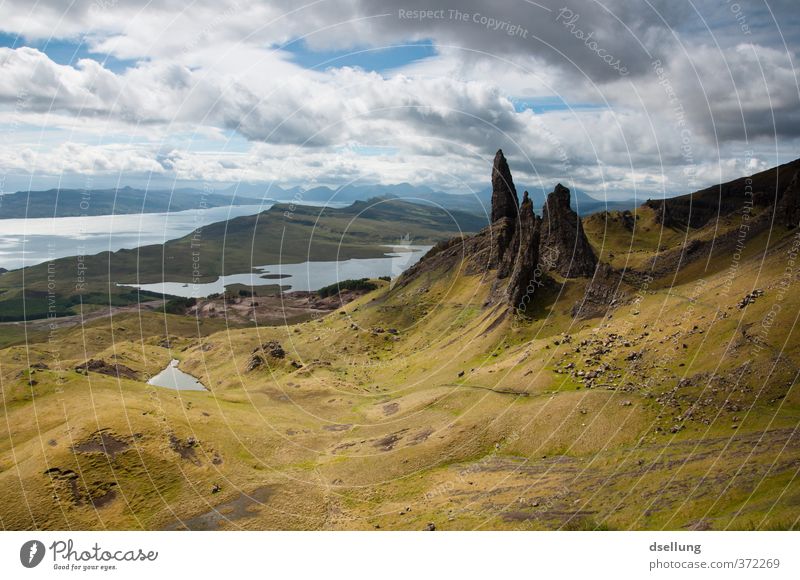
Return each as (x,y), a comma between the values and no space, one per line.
(523,280)
(563,246)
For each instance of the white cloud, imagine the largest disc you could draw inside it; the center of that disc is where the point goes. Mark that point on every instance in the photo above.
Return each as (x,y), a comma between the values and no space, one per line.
(211,69)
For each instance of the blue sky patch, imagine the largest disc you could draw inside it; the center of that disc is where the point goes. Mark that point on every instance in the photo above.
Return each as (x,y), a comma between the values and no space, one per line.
(551,104)
(380,59)
(66,52)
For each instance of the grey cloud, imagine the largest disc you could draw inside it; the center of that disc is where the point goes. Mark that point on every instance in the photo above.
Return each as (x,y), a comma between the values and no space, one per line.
(447,119)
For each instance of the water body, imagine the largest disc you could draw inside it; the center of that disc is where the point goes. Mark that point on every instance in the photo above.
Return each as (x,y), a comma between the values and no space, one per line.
(174,378)
(305,276)
(27,242)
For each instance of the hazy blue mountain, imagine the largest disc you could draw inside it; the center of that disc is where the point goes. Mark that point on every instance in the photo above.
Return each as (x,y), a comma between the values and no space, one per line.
(581,202)
(477,203)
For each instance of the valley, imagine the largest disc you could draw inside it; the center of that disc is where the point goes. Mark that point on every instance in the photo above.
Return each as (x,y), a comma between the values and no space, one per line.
(632,369)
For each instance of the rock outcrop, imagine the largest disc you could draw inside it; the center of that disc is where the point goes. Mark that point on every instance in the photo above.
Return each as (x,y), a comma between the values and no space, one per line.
(505,218)
(517,250)
(523,280)
(104,368)
(563,246)
(505,240)
(505,203)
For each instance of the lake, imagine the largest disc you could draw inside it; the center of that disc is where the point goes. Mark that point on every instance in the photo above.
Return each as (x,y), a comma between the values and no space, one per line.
(26,242)
(305,276)
(174,378)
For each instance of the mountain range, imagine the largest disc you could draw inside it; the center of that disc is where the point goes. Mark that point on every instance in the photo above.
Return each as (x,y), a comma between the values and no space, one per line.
(477,202)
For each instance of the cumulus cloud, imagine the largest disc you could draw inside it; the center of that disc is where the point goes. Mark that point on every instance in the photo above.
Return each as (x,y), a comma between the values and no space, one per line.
(640,75)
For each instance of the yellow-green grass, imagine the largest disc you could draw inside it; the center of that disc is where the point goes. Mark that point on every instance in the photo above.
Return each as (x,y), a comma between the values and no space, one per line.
(381,429)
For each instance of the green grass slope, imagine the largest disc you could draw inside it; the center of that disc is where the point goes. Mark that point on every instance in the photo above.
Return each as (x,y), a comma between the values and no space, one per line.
(421,403)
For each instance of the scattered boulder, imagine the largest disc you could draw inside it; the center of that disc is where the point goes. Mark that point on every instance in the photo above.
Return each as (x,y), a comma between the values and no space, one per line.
(271,348)
(254,362)
(628,220)
(274,349)
(750,298)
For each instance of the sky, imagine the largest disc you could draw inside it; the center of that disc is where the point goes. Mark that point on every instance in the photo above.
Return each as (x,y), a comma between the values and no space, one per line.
(618,98)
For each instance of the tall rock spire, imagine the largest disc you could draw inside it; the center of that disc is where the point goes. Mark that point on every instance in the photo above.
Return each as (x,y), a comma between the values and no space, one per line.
(505,211)
(522,283)
(504,197)
(563,246)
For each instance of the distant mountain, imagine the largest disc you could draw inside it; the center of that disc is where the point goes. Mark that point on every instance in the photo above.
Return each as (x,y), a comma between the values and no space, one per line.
(126,200)
(257,190)
(477,203)
(582,203)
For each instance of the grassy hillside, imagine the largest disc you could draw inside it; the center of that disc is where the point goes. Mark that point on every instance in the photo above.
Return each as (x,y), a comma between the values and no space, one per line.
(284,234)
(420,403)
(699,208)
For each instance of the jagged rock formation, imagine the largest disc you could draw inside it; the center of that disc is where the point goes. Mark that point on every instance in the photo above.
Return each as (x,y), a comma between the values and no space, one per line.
(505,203)
(523,282)
(516,244)
(505,217)
(563,246)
